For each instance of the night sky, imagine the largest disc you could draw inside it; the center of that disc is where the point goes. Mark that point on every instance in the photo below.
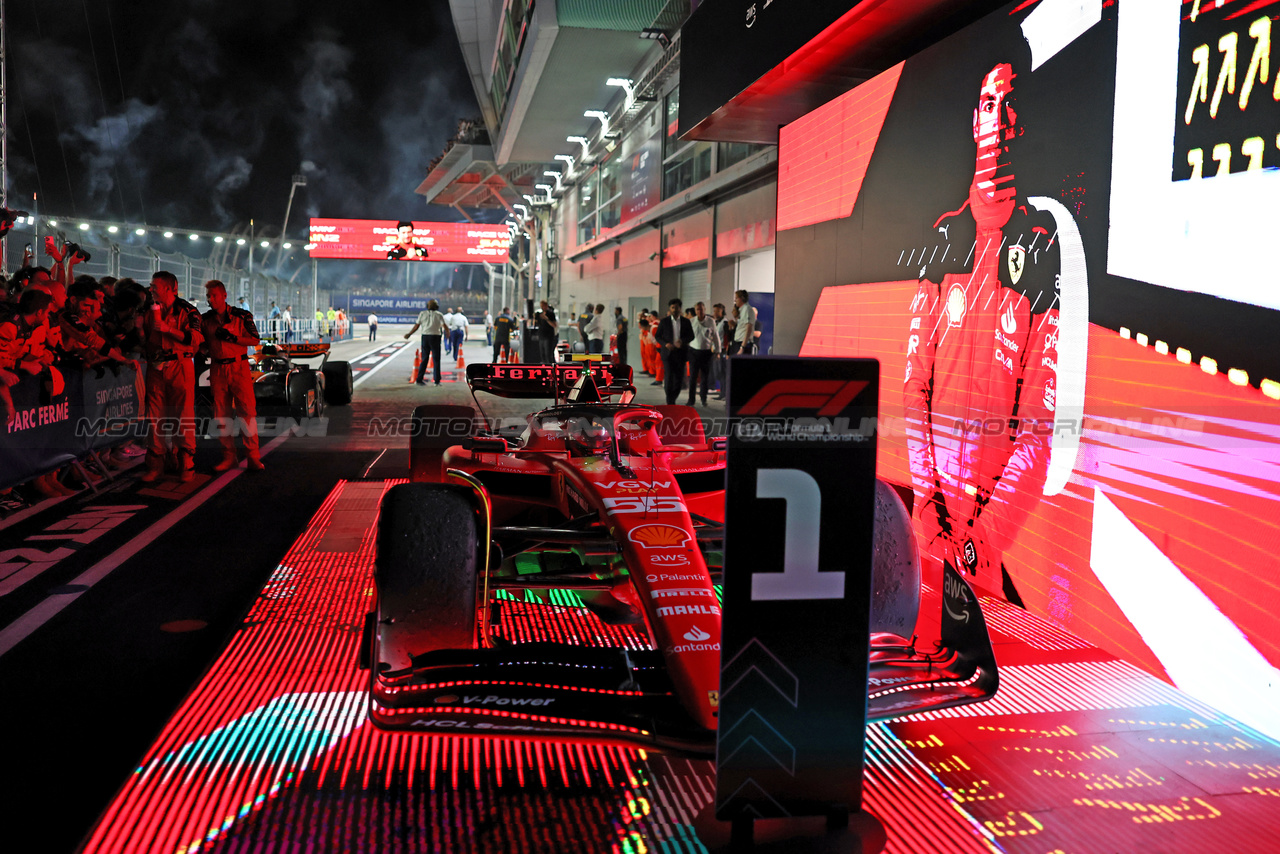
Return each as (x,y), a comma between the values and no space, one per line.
(195,114)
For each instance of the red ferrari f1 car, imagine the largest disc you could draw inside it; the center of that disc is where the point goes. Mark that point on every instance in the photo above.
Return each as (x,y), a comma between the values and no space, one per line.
(623,505)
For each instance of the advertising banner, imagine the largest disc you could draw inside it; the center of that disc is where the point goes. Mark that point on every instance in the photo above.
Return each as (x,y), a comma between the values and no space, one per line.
(389,309)
(392,240)
(642,178)
(46,430)
(1047,229)
(794,650)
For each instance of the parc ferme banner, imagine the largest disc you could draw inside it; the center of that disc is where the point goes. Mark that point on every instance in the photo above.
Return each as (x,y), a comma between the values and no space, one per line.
(46,431)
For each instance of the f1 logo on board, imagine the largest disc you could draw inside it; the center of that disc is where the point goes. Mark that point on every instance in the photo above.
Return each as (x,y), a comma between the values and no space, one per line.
(828,397)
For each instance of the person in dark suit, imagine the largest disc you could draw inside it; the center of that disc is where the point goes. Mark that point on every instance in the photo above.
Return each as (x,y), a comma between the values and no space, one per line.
(674,334)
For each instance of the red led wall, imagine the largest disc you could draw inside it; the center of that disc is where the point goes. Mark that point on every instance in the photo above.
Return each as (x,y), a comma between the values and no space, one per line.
(1152,507)
(373,239)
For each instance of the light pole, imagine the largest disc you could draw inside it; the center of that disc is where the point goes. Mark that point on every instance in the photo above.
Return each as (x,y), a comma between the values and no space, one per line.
(298,181)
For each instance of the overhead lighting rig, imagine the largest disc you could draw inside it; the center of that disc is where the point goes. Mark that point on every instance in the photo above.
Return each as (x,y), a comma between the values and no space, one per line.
(628,85)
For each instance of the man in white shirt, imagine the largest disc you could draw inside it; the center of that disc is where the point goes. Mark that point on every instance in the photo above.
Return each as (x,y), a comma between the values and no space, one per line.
(373,327)
(431,322)
(286,322)
(705,343)
(458,331)
(718,361)
(488,328)
(595,331)
(448,326)
(744,334)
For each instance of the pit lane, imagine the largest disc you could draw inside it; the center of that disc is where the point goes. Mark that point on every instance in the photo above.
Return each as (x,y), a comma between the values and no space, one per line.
(249,733)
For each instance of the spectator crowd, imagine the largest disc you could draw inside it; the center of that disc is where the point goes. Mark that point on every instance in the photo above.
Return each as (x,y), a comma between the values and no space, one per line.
(55,323)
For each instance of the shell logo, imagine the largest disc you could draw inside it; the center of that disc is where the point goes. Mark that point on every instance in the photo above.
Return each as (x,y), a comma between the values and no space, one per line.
(659,537)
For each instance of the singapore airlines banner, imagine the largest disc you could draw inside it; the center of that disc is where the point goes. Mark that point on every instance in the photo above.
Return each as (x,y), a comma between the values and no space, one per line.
(1054,230)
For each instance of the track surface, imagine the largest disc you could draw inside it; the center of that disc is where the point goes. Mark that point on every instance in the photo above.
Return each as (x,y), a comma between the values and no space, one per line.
(180,674)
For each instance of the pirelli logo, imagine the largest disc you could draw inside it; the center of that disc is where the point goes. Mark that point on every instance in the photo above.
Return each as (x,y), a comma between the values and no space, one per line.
(672,592)
(674,610)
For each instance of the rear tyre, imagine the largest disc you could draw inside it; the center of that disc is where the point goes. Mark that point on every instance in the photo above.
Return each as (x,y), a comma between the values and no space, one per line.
(425,572)
(338,383)
(297,384)
(436,428)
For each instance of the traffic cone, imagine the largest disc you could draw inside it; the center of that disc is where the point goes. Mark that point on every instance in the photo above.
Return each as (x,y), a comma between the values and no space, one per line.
(461,364)
(417,362)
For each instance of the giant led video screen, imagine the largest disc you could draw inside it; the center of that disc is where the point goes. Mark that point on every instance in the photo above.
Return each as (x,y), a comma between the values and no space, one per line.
(403,240)
(1056,231)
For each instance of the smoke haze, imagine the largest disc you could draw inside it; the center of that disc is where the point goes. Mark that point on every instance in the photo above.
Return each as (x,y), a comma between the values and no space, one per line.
(196,114)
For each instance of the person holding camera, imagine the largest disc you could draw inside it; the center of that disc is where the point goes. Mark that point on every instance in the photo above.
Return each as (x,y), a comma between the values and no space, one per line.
(228,332)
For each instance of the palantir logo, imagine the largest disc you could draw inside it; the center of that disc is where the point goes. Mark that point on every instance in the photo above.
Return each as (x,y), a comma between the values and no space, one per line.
(696,635)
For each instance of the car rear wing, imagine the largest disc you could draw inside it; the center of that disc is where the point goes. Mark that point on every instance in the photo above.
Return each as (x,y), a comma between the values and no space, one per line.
(304,350)
(547,381)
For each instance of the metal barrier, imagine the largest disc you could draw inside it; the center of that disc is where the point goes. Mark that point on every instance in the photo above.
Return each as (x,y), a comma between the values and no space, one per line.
(139,262)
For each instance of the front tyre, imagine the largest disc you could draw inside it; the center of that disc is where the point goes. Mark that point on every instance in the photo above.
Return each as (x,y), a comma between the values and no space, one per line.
(425,572)
(338,383)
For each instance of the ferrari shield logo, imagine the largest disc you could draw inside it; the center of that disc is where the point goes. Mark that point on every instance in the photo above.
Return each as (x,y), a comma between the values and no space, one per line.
(1017,259)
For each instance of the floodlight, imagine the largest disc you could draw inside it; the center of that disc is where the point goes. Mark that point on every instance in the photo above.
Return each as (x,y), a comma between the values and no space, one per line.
(628,85)
(603,117)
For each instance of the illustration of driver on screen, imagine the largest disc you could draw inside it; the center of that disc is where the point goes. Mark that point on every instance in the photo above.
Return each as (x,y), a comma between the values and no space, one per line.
(982,374)
(406,246)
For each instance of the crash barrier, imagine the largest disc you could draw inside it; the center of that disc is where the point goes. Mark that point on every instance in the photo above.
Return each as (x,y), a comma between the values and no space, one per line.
(59,418)
(298,331)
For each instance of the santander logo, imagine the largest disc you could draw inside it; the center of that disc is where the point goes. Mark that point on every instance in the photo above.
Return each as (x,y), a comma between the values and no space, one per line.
(1008,322)
(696,635)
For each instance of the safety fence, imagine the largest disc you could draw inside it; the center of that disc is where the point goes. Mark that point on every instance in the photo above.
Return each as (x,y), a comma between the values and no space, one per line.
(140,261)
(59,418)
